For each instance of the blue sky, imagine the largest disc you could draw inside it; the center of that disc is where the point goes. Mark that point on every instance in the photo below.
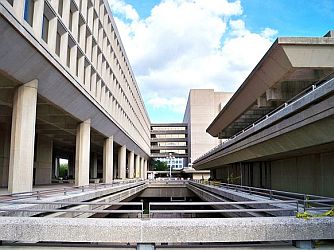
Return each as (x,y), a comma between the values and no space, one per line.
(175,45)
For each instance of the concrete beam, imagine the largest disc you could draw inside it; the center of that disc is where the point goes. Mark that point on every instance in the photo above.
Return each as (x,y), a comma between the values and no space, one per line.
(162,230)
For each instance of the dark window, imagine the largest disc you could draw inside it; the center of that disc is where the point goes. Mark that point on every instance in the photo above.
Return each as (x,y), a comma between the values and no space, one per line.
(60,7)
(29,11)
(45,29)
(58,38)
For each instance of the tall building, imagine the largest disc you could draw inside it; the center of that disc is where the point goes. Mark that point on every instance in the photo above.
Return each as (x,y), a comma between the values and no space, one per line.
(202,107)
(169,144)
(279,123)
(67,92)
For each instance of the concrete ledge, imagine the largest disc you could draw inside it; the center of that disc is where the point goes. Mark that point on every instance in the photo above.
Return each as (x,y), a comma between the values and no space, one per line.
(163,230)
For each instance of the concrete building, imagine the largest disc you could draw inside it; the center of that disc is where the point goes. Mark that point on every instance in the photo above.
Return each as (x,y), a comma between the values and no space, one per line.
(169,143)
(67,91)
(202,107)
(280,121)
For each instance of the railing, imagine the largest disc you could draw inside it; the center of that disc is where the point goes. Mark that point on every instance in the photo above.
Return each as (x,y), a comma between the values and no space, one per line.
(65,191)
(5,207)
(303,93)
(174,205)
(305,201)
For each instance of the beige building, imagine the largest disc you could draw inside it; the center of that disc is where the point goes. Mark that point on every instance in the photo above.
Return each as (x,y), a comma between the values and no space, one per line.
(202,107)
(67,91)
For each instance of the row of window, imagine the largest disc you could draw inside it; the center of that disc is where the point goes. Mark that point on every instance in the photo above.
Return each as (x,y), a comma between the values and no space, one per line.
(168,128)
(170,144)
(169,136)
(95,66)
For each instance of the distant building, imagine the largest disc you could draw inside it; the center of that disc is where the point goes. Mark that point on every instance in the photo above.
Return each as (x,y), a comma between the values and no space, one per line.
(202,107)
(169,143)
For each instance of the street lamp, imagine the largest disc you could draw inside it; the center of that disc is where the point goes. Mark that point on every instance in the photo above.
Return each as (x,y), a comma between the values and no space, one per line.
(170,157)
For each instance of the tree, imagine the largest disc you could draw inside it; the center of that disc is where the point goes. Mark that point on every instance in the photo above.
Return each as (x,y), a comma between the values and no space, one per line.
(159,165)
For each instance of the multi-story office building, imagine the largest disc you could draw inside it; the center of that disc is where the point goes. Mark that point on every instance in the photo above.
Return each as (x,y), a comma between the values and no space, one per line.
(280,121)
(67,91)
(169,144)
(202,107)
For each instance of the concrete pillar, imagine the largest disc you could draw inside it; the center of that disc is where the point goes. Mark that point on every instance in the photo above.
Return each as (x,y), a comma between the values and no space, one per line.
(82,154)
(122,162)
(44,149)
(131,165)
(38,17)
(18,6)
(137,166)
(53,23)
(142,168)
(108,151)
(145,169)
(23,138)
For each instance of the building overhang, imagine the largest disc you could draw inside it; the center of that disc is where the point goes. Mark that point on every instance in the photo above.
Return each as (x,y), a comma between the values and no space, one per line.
(290,65)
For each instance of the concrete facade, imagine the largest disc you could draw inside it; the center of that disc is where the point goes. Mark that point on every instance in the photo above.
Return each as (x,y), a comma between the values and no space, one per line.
(85,76)
(279,123)
(202,107)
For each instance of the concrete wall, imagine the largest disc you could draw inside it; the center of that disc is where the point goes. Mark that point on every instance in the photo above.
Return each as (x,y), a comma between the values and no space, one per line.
(310,174)
(305,174)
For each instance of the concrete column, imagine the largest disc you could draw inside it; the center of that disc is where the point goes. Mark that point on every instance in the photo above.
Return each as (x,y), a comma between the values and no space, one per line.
(73,59)
(142,168)
(66,12)
(75,24)
(81,69)
(23,138)
(43,162)
(122,162)
(18,6)
(63,48)
(108,151)
(38,17)
(82,154)
(137,166)
(88,76)
(131,164)
(53,23)
(145,169)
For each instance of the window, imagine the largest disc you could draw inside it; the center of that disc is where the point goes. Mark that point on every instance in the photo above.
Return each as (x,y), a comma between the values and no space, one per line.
(70,20)
(45,29)
(29,11)
(60,7)
(58,38)
(68,59)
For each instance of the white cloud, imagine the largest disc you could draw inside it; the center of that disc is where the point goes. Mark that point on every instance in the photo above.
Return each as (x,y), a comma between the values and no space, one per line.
(187,44)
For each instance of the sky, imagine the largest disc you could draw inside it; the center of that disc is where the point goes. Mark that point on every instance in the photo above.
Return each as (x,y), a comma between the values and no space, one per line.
(176,45)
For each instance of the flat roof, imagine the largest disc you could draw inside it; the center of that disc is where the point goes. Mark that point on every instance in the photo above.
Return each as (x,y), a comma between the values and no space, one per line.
(288,59)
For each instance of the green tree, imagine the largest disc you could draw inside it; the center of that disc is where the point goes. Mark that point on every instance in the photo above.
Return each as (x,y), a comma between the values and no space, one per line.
(159,165)
(63,170)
